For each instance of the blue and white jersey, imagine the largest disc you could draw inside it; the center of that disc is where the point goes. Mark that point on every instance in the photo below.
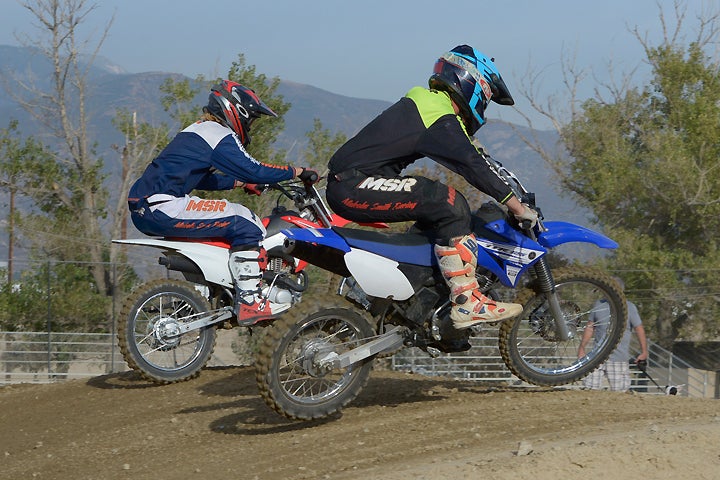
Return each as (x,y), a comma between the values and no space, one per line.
(204,156)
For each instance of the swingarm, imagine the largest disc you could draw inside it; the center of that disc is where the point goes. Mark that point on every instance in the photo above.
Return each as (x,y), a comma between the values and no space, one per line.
(389,341)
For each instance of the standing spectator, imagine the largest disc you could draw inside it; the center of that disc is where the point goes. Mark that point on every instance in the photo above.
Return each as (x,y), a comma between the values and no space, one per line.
(616,369)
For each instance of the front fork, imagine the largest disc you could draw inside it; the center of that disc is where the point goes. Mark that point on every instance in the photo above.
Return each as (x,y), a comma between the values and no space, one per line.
(547,287)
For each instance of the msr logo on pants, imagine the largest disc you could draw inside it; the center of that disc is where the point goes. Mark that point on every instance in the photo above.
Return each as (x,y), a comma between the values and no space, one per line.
(388,184)
(206,206)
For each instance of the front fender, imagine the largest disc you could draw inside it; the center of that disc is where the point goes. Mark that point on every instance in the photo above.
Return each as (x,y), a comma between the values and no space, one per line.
(563,232)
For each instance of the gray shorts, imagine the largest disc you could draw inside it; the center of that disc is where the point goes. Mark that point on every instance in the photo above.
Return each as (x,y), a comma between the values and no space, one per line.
(617,374)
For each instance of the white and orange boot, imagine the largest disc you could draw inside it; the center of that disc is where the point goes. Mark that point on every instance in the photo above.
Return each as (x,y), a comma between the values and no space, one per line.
(246,267)
(470,306)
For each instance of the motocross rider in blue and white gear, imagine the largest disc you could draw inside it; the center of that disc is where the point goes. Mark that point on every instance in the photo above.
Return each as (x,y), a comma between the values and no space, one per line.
(210,155)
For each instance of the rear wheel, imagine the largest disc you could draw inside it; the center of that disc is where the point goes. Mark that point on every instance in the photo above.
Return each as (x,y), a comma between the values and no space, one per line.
(528,342)
(287,368)
(149,334)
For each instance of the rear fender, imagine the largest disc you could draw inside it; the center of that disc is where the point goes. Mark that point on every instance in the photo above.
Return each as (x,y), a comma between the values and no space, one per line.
(210,257)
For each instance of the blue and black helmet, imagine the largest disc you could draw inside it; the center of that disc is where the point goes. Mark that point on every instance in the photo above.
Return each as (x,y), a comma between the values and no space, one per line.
(472,80)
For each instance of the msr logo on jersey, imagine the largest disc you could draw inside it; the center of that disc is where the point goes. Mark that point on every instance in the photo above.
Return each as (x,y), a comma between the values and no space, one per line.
(388,184)
(206,206)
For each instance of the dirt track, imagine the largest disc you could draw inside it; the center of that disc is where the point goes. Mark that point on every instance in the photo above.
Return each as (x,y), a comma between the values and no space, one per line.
(401,426)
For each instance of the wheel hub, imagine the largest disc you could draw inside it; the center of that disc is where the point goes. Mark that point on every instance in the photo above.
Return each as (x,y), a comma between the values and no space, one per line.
(542,321)
(311,353)
(165,333)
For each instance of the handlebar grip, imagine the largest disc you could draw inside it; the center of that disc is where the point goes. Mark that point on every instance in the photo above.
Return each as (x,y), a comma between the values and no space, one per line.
(309,176)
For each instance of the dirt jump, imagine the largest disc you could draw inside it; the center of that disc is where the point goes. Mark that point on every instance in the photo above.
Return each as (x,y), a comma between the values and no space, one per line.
(402,426)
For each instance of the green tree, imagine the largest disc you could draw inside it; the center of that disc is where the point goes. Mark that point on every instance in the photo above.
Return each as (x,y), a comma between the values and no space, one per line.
(25,299)
(178,96)
(646,163)
(16,155)
(322,144)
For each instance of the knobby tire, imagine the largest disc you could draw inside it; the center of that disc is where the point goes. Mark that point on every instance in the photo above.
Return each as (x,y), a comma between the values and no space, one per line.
(154,301)
(526,342)
(286,385)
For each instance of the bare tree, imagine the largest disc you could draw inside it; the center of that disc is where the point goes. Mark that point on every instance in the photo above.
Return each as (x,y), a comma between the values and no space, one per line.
(69,193)
(142,143)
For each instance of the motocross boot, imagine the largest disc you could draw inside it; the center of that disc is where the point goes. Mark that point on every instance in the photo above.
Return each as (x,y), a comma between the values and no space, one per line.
(470,307)
(246,267)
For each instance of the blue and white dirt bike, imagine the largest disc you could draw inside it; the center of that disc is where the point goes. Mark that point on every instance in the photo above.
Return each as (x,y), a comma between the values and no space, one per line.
(313,362)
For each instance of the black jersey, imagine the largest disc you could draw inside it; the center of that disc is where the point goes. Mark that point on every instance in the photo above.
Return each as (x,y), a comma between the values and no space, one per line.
(421,124)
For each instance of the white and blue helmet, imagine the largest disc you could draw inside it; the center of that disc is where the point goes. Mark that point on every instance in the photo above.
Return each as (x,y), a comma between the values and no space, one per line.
(472,80)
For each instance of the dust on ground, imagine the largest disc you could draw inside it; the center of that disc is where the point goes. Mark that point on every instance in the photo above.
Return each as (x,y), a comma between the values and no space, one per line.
(401,426)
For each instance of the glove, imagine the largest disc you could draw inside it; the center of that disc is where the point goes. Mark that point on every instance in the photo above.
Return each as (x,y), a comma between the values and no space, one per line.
(309,176)
(253,189)
(528,215)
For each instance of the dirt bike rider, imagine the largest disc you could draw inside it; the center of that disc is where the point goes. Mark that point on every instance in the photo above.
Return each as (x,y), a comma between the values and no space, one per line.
(365,181)
(210,155)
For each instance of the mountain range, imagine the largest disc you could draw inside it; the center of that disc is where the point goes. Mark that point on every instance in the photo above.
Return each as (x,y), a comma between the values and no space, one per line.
(113,88)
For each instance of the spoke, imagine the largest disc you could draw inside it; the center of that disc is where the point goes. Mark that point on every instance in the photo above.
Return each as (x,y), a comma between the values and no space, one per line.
(144,339)
(298,382)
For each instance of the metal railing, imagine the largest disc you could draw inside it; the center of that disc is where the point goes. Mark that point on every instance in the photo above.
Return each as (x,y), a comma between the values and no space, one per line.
(43,357)
(484,363)
(666,369)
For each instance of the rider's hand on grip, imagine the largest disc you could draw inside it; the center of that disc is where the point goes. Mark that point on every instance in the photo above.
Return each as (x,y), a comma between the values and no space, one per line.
(254,189)
(528,219)
(309,176)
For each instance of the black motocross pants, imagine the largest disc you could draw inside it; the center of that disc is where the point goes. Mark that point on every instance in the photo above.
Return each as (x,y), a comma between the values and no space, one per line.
(439,211)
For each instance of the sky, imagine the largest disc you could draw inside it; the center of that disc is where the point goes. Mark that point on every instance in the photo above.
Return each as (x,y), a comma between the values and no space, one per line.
(374,49)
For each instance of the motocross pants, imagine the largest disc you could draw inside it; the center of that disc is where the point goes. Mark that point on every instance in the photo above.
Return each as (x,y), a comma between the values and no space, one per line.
(439,211)
(192,217)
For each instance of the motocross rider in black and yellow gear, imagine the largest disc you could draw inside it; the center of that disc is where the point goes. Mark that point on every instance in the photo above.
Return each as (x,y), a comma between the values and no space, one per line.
(365,182)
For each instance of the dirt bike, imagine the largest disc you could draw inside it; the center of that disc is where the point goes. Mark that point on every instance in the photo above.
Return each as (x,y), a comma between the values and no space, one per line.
(313,363)
(167,328)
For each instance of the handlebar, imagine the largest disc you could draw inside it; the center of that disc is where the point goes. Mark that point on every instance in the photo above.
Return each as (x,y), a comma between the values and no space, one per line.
(305,196)
(291,188)
(526,197)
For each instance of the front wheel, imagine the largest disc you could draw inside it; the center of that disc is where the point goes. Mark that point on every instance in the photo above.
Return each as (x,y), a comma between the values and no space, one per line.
(287,370)
(528,343)
(149,335)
